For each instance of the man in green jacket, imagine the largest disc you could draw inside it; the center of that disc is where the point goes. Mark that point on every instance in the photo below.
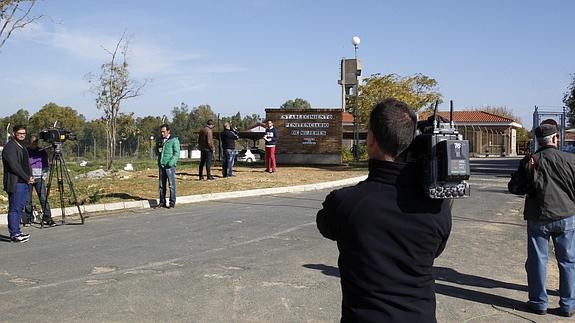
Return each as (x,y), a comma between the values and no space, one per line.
(168,154)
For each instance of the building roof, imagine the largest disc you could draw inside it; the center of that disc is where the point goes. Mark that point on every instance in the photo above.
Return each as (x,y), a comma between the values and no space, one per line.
(347,117)
(470,116)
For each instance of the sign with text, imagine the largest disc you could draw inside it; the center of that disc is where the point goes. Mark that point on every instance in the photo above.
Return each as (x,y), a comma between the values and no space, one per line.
(311,136)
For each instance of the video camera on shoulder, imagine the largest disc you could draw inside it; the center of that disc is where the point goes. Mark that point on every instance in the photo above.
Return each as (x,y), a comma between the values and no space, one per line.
(56,135)
(443,157)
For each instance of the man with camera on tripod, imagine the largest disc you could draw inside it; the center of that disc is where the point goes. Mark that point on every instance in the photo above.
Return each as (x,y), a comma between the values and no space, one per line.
(17,180)
(387,230)
(38,159)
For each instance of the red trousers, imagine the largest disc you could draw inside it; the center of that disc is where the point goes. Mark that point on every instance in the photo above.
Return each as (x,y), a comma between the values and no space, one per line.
(270,159)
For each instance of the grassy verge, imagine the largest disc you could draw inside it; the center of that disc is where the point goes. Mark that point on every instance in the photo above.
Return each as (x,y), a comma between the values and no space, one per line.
(142,183)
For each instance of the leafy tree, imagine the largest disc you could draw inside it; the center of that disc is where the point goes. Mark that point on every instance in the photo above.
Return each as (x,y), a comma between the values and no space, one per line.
(128,133)
(417,90)
(181,123)
(93,138)
(20,117)
(149,131)
(15,14)
(63,117)
(112,87)
(498,110)
(569,100)
(297,104)
(249,121)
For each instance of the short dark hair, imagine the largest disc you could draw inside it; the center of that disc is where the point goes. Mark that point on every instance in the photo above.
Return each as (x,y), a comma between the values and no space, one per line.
(18,127)
(393,124)
(210,122)
(165,125)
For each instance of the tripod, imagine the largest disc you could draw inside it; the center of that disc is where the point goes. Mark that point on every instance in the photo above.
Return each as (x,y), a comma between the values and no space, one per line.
(58,166)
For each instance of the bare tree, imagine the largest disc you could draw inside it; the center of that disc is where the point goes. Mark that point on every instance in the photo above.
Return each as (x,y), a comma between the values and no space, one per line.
(15,14)
(112,87)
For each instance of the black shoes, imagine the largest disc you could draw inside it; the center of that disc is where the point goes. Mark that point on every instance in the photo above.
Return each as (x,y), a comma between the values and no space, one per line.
(566,314)
(50,223)
(536,311)
(211,178)
(22,237)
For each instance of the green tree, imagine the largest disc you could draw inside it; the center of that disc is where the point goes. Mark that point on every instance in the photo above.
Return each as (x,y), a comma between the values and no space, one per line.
(249,121)
(63,117)
(112,87)
(569,100)
(181,123)
(498,110)
(149,131)
(417,90)
(15,14)
(129,134)
(21,116)
(297,104)
(93,138)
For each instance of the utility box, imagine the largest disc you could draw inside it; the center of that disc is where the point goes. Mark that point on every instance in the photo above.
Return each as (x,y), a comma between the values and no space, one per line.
(350,70)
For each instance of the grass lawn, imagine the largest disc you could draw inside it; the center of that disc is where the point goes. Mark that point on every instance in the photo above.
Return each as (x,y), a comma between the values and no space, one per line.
(142,183)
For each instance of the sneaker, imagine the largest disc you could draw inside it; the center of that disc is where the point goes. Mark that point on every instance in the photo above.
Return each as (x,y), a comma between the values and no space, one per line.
(20,238)
(172,205)
(50,223)
(566,313)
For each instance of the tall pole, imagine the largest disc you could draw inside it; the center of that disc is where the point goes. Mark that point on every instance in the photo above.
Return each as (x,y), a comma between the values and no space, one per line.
(355,41)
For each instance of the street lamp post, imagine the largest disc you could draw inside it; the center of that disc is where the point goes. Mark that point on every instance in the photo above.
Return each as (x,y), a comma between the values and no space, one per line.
(151,147)
(355,40)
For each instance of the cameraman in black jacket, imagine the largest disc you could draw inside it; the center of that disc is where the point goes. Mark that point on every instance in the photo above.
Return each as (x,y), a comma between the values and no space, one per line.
(388,233)
(548,179)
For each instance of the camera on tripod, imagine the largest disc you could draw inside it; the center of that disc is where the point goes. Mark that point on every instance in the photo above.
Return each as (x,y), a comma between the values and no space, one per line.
(443,157)
(55,135)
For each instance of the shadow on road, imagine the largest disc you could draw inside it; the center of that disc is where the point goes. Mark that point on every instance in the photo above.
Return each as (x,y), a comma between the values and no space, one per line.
(325,269)
(455,277)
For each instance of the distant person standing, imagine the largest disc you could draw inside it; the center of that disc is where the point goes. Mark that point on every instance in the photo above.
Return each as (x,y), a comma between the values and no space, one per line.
(38,159)
(548,178)
(17,180)
(270,138)
(229,137)
(206,143)
(168,154)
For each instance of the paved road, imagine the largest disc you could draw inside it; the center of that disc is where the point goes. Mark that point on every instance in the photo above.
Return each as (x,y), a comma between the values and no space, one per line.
(252,260)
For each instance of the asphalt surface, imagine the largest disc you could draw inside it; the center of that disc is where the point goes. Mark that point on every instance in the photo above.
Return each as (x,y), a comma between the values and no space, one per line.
(256,259)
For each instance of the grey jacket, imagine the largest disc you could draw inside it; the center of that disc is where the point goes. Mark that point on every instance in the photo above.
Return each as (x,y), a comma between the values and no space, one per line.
(548,179)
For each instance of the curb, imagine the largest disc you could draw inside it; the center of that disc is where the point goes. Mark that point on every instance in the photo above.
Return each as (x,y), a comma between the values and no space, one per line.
(145,204)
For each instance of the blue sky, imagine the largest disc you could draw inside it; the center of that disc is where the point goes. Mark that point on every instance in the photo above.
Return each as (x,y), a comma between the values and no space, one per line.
(245,55)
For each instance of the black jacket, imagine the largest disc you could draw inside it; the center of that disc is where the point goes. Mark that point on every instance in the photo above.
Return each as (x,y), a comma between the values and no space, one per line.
(229,138)
(16,166)
(388,235)
(548,179)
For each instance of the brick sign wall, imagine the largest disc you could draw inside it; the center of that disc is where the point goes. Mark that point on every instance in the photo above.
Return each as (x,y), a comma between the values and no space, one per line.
(307,137)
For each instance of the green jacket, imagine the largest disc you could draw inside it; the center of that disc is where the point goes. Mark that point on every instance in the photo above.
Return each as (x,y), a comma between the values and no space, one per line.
(168,152)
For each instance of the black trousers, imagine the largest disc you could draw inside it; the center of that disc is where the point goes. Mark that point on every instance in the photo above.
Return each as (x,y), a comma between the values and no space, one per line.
(207,160)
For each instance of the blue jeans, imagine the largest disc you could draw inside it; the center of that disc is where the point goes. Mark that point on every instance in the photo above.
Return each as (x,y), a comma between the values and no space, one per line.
(16,204)
(229,156)
(563,234)
(167,174)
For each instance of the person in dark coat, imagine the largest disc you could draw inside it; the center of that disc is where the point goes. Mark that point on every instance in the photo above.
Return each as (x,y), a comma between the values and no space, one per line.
(17,180)
(387,231)
(206,143)
(228,138)
(547,177)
